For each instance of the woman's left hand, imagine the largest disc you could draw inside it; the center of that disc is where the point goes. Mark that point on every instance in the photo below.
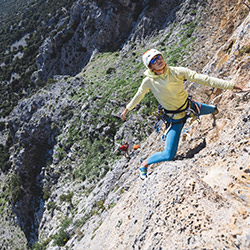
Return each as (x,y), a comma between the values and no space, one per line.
(242,89)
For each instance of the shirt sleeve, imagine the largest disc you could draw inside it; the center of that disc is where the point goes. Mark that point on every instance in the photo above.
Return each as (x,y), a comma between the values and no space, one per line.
(204,79)
(143,89)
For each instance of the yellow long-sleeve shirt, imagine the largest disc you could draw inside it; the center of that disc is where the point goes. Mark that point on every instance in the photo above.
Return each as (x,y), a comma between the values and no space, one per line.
(168,88)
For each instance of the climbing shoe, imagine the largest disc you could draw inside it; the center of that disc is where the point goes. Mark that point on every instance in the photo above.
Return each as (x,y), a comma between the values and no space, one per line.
(216,111)
(143,173)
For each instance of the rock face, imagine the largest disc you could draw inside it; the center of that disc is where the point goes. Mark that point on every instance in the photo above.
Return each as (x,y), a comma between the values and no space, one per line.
(108,26)
(199,200)
(34,126)
(93,26)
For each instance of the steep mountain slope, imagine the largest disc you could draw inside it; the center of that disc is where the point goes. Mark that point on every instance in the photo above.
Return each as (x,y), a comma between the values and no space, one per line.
(24,26)
(199,202)
(68,187)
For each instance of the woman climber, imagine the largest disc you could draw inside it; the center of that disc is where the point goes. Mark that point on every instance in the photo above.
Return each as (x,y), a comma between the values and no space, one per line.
(166,84)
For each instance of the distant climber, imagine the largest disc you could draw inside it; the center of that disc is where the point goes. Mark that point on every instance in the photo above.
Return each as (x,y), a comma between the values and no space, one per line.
(124,148)
(166,83)
(135,148)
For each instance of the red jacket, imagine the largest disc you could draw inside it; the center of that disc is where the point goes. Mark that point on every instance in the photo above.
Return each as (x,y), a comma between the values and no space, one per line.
(124,147)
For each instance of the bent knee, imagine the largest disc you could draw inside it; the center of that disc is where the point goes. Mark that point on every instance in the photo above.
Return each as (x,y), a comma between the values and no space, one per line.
(167,156)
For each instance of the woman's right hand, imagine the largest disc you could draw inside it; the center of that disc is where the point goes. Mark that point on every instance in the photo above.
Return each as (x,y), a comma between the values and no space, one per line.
(123,115)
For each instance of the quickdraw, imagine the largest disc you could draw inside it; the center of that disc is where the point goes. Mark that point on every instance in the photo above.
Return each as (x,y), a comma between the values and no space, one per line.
(164,136)
(195,111)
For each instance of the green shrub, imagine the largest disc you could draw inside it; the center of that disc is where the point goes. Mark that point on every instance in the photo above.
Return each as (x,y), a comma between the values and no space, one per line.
(111,70)
(41,246)
(16,187)
(24,12)
(51,205)
(51,81)
(100,205)
(83,220)
(46,192)
(111,205)
(67,197)
(62,236)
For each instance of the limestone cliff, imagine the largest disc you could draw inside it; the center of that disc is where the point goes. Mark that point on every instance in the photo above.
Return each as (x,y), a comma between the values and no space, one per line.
(69,188)
(93,26)
(200,200)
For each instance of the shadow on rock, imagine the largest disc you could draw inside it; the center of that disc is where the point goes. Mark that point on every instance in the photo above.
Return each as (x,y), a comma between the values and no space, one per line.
(192,152)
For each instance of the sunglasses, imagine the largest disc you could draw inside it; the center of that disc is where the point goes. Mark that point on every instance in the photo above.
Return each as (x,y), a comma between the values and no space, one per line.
(159,57)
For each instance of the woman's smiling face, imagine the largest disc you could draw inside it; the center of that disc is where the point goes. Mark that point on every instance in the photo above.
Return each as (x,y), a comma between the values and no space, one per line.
(157,63)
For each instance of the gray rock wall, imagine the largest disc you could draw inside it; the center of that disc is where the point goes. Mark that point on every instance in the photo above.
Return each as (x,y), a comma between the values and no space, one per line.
(93,26)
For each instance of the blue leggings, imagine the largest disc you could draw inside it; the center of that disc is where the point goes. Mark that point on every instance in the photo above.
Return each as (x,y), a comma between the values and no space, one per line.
(173,137)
